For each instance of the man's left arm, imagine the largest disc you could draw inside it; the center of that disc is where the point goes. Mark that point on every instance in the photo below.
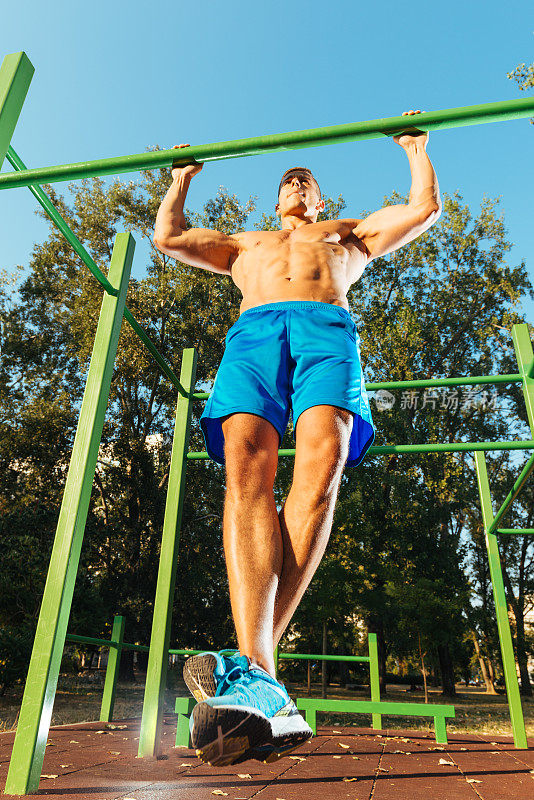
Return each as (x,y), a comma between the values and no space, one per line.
(394,226)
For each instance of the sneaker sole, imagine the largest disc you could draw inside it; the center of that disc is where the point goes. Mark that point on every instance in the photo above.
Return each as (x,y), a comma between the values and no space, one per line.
(223,736)
(198,676)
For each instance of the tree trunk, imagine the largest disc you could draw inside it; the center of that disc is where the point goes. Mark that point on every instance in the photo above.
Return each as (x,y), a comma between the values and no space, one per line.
(126,672)
(323,663)
(447,670)
(488,679)
(423,668)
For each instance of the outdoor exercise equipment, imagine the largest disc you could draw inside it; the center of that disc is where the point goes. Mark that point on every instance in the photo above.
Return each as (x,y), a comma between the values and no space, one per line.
(36,710)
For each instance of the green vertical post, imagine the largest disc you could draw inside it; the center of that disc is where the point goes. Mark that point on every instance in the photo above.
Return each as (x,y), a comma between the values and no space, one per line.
(150,734)
(112,670)
(374,677)
(16,73)
(38,700)
(275,655)
(525,362)
(501,607)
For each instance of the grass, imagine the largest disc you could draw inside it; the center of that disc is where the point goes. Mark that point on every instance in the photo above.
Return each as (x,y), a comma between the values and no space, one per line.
(78,700)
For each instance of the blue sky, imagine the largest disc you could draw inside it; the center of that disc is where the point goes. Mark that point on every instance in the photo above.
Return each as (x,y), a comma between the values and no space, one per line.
(113,78)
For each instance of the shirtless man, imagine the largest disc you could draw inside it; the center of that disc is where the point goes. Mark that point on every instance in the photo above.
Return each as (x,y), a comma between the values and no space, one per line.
(293,348)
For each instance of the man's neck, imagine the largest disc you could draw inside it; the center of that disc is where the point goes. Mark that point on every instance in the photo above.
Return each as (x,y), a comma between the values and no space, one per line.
(291,223)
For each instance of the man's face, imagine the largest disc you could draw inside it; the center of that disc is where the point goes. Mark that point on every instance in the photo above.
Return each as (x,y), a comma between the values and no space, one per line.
(299,196)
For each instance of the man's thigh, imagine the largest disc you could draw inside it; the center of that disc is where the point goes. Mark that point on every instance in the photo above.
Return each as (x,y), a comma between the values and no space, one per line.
(250,449)
(322,437)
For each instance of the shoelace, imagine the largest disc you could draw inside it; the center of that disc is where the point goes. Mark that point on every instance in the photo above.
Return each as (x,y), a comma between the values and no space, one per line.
(244,677)
(231,677)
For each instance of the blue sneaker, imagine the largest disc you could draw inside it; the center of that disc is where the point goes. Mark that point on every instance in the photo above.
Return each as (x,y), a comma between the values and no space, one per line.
(250,716)
(204,672)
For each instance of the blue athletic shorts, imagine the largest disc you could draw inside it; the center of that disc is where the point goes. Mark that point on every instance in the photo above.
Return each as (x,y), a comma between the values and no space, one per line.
(287,357)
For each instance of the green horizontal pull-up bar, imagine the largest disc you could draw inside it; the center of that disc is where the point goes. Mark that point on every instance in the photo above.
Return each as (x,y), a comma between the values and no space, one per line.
(314,137)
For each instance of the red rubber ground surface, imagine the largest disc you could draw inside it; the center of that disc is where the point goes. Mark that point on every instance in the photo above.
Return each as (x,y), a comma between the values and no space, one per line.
(348,763)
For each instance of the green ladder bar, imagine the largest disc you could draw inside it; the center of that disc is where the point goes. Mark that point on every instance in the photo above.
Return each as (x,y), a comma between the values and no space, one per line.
(112,670)
(38,700)
(16,74)
(374,678)
(151,722)
(501,607)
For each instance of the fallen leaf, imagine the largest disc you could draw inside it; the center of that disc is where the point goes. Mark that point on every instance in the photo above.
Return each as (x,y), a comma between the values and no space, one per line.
(349,780)
(73,741)
(99,733)
(382,769)
(356,758)
(50,744)
(244,775)
(218,791)
(463,748)
(184,765)
(444,761)
(345,746)
(437,748)
(114,752)
(407,754)
(473,780)
(336,756)
(399,751)
(48,776)
(64,766)
(297,758)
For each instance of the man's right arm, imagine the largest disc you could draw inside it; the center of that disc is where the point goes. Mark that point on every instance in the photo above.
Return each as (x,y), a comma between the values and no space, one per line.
(200,247)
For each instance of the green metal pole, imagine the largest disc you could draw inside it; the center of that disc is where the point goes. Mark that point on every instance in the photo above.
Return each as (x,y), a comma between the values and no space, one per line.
(16,73)
(501,607)
(525,362)
(149,736)
(374,677)
(519,531)
(112,670)
(38,700)
(314,137)
(457,447)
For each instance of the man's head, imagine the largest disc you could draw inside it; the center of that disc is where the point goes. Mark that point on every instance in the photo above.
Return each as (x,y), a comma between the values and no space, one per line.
(299,195)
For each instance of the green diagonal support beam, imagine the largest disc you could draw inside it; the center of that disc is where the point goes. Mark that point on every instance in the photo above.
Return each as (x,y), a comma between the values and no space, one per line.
(16,74)
(513,493)
(78,247)
(152,718)
(501,607)
(38,700)
(314,137)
